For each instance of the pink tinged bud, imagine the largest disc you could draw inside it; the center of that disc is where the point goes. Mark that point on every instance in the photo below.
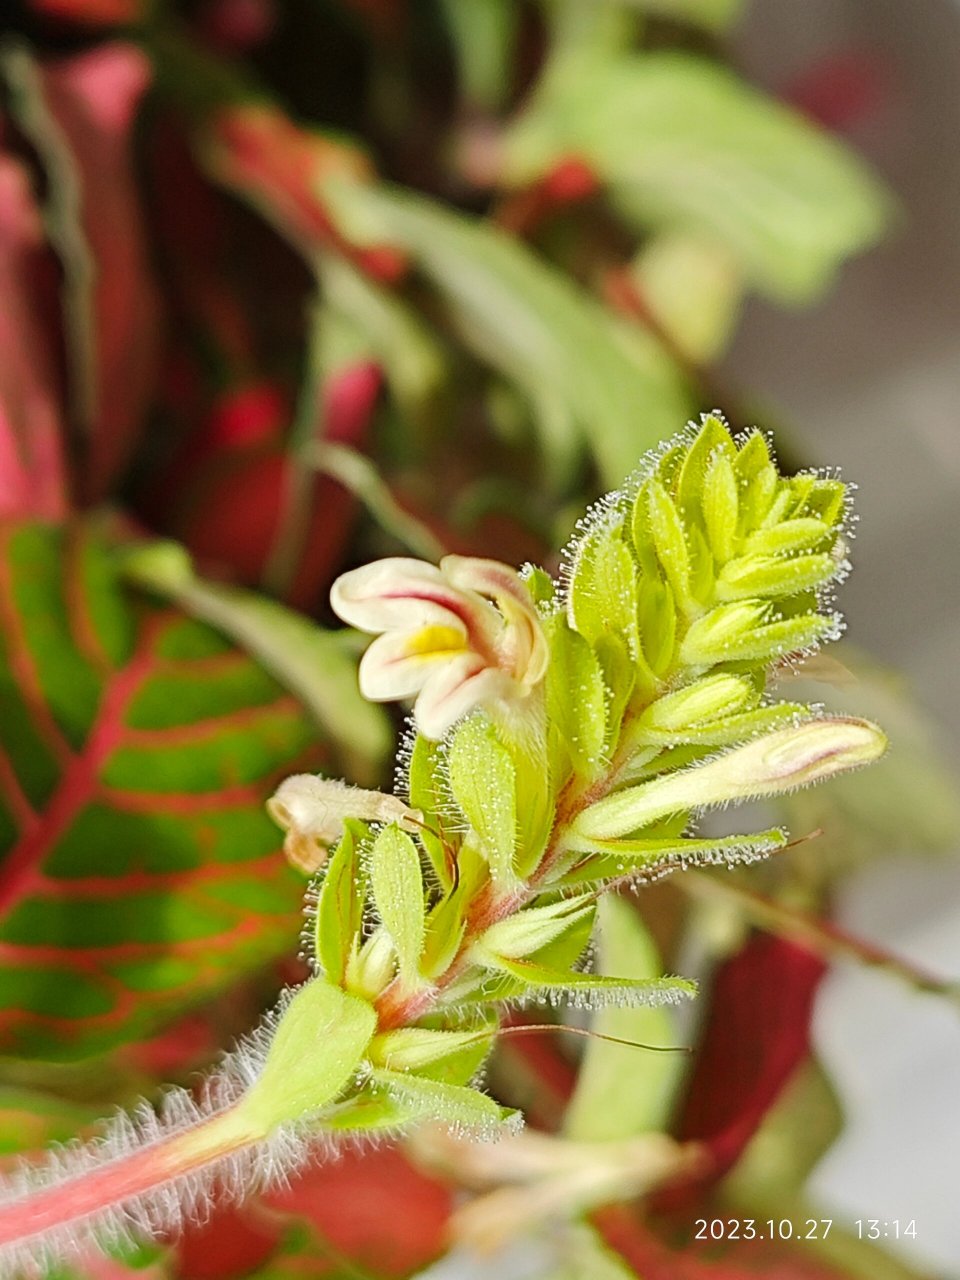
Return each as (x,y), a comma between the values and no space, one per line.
(460,636)
(769,766)
(312,812)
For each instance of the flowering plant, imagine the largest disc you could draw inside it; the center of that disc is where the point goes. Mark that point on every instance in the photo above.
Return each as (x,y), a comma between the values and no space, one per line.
(565,736)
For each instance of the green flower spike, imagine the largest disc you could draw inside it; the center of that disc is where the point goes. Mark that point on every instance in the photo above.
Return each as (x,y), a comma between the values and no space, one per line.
(565,736)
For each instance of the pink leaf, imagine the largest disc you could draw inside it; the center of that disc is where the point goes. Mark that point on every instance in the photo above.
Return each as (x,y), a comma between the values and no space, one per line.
(31,464)
(94,99)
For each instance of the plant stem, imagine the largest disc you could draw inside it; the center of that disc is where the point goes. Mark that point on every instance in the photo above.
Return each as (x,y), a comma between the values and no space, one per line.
(89,1193)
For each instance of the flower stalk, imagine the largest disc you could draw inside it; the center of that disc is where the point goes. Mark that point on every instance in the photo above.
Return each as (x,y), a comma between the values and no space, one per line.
(566,737)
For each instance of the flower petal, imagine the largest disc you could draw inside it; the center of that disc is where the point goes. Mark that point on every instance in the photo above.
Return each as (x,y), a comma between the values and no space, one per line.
(523,644)
(455,690)
(402,593)
(399,663)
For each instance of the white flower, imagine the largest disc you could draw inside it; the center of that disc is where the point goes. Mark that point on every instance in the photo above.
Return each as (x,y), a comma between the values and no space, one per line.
(459,636)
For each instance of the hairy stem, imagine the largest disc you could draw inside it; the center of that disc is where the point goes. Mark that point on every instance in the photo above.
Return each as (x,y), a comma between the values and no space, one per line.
(73,1201)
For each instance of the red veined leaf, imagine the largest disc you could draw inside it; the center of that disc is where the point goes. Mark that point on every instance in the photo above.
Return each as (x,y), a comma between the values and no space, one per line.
(141,872)
(31,462)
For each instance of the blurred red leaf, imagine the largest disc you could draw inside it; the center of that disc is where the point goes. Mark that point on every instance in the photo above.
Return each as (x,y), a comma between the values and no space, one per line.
(32,479)
(225,494)
(90,13)
(843,88)
(94,99)
(371,1208)
(280,169)
(374,1208)
(757,1033)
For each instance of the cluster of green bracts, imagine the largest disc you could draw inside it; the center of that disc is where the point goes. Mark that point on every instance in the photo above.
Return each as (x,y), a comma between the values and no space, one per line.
(567,734)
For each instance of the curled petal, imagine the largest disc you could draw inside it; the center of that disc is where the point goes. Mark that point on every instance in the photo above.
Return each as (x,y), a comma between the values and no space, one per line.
(455,689)
(400,593)
(522,644)
(399,664)
(311,810)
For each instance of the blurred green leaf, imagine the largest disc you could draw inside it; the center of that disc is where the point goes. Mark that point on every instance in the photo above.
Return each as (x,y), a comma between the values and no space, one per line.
(683,144)
(622,1091)
(592,382)
(400,339)
(30,1119)
(692,286)
(715,15)
(909,801)
(314,664)
(482,32)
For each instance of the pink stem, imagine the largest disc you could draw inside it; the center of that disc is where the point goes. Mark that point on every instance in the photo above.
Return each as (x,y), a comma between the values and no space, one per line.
(125,1177)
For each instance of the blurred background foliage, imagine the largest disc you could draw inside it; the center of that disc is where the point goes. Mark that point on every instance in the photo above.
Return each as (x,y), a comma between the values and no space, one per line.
(295,284)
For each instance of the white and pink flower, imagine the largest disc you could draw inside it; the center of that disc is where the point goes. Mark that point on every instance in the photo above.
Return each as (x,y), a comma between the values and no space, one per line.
(460,636)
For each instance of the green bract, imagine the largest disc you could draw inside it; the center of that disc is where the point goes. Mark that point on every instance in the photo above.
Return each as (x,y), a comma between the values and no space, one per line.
(679,596)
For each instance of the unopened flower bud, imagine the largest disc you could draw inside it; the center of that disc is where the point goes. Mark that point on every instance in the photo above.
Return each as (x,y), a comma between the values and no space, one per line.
(312,811)
(769,766)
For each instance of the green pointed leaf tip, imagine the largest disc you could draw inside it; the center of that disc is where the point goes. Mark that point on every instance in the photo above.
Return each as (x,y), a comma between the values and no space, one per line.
(397,883)
(483,780)
(339,917)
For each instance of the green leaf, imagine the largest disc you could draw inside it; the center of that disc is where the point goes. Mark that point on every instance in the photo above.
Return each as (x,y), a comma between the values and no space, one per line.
(591,381)
(657,624)
(700,702)
(669,539)
(590,990)
(414,363)
(340,906)
(141,874)
(684,143)
(425,783)
(693,287)
(532,929)
(452,1057)
(602,592)
(484,785)
(712,441)
(762,577)
(320,1041)
(621,857)
(397,885)
(576,697)
(434,1101)
(311,662)
(720,506)
(622,1091)
(446,925)
(741,632)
